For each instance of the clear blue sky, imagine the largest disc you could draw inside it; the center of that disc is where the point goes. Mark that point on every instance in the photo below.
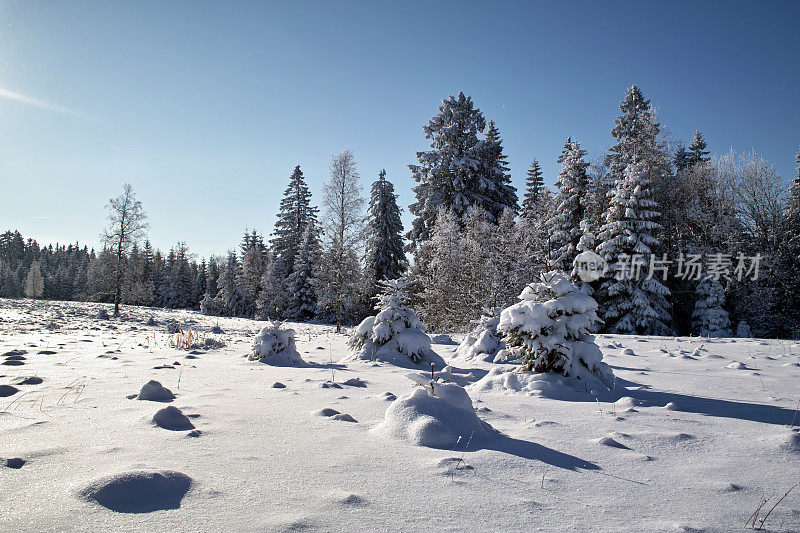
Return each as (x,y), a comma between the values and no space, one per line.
(206,107)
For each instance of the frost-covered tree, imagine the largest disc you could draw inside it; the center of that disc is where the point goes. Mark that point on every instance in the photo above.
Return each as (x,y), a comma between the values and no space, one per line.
(497,172)
(633,302)
(273,298)
(484,341)
(294,214)
(697,150)
(457,173)
(395,334)
(127,223)
(230,296)
(572,200)
(385,258)
(302,282)
(440,275)
(252,270)
(709,318)
(549,330)
(343,224)
(534,185)
(34,282)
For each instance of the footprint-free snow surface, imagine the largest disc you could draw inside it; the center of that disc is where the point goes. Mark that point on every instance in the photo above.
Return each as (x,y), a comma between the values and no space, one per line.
(679,444)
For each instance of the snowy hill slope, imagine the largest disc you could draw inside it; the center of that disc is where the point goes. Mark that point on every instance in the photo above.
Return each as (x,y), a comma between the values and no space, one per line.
(698,432)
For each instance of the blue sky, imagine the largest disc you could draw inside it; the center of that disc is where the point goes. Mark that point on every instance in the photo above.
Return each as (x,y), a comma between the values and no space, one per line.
(207,107)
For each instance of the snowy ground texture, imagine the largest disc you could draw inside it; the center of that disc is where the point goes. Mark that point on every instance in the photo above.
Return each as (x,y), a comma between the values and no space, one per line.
(699,432)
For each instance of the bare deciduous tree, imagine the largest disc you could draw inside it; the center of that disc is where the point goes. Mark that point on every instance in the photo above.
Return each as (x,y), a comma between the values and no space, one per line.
(127,223)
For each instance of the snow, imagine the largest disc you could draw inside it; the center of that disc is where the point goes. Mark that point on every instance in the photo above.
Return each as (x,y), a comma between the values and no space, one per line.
(437,415)
(263,461)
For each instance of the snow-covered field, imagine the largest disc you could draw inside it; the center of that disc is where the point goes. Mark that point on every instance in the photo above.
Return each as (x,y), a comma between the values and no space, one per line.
(699,432)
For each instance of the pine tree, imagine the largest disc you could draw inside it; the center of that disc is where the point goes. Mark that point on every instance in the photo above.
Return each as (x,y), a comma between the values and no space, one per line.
(34,283)
(697,150)
(549,330)
(633,302)
(709,318)
(573,197)
(497,171)
(534,184)
(385,258)
(294,214)
(252,270)
(302,282)
(230,296)
(460,172)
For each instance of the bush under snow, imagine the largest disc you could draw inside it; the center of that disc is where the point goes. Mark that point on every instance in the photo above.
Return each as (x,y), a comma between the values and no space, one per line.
(437,415)
(276,346)
(549,330)
(395,335)
(483,342)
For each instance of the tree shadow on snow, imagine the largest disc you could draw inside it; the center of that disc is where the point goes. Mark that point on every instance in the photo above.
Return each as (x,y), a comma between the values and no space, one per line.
(768,414)
(533,451)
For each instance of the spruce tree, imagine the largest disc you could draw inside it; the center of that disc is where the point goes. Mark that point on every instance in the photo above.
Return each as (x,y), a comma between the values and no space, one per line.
(302,283)
(34,282)
(497,171)
(633,302)
(709,318)
(534,184)
(697,150)
(572,201)
(461,171)
(230,296)
(385,258)
(294,214)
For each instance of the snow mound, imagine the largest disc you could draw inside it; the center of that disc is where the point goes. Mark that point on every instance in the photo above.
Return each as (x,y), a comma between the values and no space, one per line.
(610,441)
(484,342)
(443,338)
(139,491)
(736,365)
(510,380)
(439,415)
(155,392)
(173,419)
(15,462)
(627,351)
(276,346)
(395,335)
(102,314)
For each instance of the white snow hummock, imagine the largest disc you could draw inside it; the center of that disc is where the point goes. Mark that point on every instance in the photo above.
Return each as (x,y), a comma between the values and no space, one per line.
(139,491)
(549,331)
(436,415)
(276,346)
(484,342)
(395,335)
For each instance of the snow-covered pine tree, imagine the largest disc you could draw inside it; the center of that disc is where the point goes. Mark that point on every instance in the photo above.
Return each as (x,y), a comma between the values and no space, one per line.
(34,282)
(572,199)
(273,298)
(302,282)
(230,297)
(294,214)
(534,184)
(395,334)
(632,301)
(385,258)
(549,330)
(709,318)
(455,174)
(697,150)
(498,173)
(252,270)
